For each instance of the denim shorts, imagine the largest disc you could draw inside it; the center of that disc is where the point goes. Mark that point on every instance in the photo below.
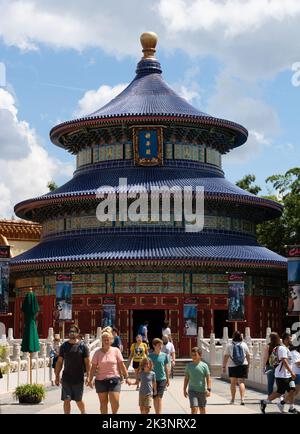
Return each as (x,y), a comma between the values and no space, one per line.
(160,387)
(297,379)
(197,399)
(108,385)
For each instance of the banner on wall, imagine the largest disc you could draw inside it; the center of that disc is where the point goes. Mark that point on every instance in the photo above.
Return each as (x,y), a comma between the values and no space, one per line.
(109,315)
(190,319)
(4,278)
(4,286)
(236,297)
(63,305)
(294,280)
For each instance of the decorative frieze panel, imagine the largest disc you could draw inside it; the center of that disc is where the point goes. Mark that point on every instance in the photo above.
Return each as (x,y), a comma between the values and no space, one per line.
(77,223)
(170,151)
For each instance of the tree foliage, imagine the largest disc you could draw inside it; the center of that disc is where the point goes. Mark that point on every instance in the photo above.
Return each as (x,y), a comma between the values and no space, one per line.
(285,230)
(52,186)
(246,183)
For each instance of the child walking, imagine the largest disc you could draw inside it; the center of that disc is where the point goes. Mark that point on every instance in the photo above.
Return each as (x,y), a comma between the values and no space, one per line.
(197,377)
(147,385)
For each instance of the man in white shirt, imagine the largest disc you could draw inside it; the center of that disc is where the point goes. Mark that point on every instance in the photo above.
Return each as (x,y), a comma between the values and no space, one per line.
(169,349)
(284,377)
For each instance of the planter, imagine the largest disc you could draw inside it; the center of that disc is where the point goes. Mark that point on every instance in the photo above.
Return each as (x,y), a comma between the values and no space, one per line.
(30,393)
(29,399)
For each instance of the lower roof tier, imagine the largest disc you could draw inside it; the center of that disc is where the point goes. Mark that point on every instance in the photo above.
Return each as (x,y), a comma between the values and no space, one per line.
(84,184)
(201,249)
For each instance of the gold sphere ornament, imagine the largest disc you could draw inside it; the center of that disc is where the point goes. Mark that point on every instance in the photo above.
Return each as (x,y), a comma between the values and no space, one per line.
(149,41)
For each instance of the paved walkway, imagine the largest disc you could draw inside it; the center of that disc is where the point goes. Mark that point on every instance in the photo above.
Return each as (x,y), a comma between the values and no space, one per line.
(174,401)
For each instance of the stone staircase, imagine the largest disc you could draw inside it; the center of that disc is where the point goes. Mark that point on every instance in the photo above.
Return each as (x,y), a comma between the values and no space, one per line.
(179,368)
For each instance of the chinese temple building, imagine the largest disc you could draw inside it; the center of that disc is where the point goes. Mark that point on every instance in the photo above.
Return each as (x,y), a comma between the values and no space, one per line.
(20,236)
(149,270)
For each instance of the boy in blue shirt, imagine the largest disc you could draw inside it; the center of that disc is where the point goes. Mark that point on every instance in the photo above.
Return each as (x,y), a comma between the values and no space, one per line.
(160,362)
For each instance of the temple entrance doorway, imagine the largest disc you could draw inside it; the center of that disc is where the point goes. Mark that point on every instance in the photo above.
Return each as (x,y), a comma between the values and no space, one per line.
(220,321)
(155,317)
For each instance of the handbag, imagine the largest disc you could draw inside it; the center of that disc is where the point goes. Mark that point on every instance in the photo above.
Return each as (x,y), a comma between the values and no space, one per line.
(113,381)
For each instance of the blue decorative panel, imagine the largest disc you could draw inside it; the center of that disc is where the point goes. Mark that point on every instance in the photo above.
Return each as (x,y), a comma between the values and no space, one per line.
(148,146)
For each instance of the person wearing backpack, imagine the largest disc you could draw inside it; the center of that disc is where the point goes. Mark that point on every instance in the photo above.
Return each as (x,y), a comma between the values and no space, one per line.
(74,356)
(269,360)
(143,331)
(237,356)
(284,376)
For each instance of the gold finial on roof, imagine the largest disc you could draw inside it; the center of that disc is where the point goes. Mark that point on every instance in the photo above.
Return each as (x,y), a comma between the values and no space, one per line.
(149,41)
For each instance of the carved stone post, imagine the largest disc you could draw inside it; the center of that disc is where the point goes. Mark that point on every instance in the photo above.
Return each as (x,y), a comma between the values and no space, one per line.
(199,336)
(10,336)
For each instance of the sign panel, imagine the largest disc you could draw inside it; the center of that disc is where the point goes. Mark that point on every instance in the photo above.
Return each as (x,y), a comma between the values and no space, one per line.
(190,319)
(294,280)
(148,143)
(63,310)
(236,297)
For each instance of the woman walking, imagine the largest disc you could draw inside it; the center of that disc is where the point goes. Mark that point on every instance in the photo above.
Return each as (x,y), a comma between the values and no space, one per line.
(54,353)
(107,364)
(269,369)
(238,355)
(166,331)
(138,352)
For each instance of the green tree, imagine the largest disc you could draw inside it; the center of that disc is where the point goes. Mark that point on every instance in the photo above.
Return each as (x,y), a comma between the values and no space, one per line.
(284,230)
(52,186)
(246,184)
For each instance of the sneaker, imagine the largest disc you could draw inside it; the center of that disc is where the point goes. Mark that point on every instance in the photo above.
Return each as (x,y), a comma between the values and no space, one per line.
(263,406)
(232,402)
(280,407)
(293,411)
(242,402)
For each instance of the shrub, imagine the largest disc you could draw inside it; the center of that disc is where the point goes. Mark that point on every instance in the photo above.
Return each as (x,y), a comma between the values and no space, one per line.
(30,393)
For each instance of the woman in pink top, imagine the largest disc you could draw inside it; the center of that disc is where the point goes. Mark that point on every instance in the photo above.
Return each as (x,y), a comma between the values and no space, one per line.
(107,363)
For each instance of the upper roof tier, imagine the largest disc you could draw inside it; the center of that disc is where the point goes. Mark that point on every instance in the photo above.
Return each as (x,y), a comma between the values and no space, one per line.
(147,96)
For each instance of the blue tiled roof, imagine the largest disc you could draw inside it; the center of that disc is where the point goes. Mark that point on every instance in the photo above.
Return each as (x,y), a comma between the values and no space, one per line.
(150,176)
(147,94)
(87,183)
(197,246)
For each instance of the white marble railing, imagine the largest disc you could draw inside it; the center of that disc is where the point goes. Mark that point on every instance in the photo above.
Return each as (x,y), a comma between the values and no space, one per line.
(15,365)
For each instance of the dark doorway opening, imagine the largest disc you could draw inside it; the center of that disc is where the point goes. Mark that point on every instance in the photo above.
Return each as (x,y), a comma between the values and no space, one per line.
(155,317)
(220,321)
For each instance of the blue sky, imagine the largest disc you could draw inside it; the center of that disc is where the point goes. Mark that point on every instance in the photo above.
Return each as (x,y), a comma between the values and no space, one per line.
(232,59)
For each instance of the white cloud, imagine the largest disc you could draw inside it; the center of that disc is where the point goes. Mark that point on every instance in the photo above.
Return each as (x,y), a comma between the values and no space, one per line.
(13,133)
(25,171)
(254,38)
(239,103)
(93,100)
(112,25)
(188,87)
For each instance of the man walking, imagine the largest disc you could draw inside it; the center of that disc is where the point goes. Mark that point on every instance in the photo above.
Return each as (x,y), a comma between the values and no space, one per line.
(169,349)
(284,376)
(143,331)
(74,355)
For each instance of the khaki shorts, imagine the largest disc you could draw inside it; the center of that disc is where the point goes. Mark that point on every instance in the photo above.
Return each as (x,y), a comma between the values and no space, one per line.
(145,400)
